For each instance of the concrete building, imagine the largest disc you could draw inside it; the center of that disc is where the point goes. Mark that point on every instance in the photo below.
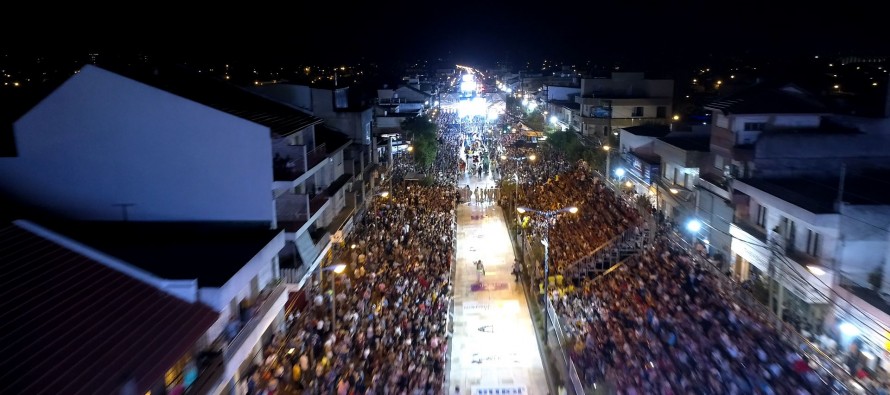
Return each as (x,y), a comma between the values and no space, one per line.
(166,145)
(169,145)
(562,110)
(341,113)
(209,291)
(682,154)
(790,194)
(624,100)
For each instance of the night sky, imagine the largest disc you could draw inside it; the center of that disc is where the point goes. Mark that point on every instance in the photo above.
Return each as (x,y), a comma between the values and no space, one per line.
(471,32)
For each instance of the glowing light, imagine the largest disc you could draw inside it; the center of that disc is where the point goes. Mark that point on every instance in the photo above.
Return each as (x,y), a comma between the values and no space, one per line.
(677,117)
(520,210)
(384,194)
(605,148)
(816,270)
(619,172)
(553,119)
(849,329)
(629,184)
(694,225)
(573,210)
(532,157)
(339,268)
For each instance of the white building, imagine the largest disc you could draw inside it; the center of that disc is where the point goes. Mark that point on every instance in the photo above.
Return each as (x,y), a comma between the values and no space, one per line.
(232,268)
(167,145)
(624,100)
(792,196)
(682,154)
(341,113)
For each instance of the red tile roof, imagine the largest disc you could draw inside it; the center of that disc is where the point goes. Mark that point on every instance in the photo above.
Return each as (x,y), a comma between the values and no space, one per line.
(71,325)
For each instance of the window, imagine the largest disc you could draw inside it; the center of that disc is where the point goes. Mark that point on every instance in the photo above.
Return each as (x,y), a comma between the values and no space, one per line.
(638,112)
(761,216)
(813,241)
(661,112)
(718,162)
(754,126)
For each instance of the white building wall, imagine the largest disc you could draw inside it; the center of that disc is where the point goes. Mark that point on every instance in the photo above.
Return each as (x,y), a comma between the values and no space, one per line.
(630,141)
(562,92)
(238,287)
(717,213)
(296,95)
(865,242)
(101,139)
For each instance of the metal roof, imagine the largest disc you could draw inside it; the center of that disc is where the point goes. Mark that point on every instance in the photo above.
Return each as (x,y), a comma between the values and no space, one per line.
(72,325)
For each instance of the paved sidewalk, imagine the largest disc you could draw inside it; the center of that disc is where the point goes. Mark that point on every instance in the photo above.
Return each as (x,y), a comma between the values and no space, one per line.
(494,345)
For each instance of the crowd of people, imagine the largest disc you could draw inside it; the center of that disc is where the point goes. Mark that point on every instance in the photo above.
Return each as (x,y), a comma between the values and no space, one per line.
(602,215)
(660,323)
(389,330)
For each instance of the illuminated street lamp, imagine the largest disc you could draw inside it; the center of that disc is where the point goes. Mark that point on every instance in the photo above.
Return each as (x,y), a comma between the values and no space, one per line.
(337,269)
(550,217)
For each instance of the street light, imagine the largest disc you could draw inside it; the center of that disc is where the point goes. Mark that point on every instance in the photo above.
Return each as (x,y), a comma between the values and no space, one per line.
(608,159)
(337,269)
(550,217)
(532,157)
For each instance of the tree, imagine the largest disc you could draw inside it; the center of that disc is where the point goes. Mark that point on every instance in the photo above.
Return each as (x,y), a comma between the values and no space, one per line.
(536,121)
(422,133)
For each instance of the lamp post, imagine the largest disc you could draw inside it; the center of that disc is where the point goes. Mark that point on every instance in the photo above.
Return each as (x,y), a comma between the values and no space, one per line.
(337,269)
(608,163)
(550,217)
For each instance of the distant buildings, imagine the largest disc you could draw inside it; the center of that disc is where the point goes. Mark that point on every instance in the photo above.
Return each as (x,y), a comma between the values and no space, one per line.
(790,197)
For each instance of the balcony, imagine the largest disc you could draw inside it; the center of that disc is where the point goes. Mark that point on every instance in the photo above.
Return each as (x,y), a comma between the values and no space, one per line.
(316,155)
(338,184)
(258,310)
(715,185)
(292,211)
(236,334)
(289,161)
(802,258)
(753,230)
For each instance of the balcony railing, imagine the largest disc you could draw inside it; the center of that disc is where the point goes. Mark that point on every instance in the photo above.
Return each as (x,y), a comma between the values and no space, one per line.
(233,336)
(289,160)
(316,155)
(291,207)
(714,185)
(753,230)
(260,307)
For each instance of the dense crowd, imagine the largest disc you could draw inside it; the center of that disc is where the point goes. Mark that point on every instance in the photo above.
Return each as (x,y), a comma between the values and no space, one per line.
(389,332)
(661,324)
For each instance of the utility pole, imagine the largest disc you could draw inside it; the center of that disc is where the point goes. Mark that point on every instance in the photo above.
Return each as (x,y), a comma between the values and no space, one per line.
(775,275)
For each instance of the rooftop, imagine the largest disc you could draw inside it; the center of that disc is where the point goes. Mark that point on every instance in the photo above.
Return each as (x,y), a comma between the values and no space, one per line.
(64,309)
(570,104)
(649,130)
(332,139)
(689,141)
(817,195)
(768,99)
(280,118)
(211,252)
